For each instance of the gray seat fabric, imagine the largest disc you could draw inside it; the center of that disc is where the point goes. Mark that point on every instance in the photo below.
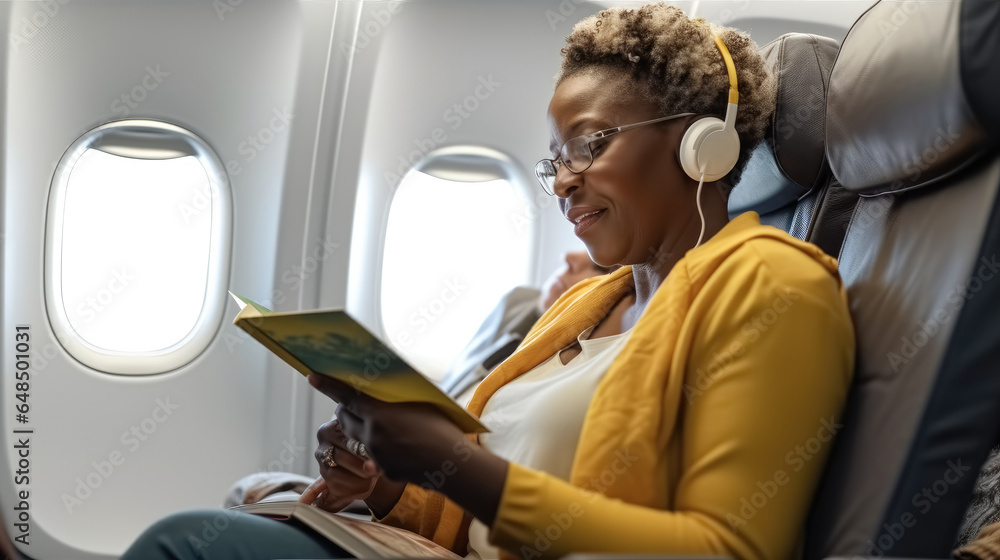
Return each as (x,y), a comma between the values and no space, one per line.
(907,128)
(787,173)
(497,338)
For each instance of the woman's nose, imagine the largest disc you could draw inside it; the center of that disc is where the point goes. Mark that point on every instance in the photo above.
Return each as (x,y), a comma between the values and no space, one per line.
(565,182)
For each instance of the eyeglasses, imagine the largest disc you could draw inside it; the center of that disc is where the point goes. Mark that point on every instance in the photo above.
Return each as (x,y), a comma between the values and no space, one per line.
(577,153)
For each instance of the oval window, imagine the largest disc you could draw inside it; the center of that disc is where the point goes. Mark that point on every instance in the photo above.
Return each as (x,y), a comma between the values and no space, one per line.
(137,247)
(453,247)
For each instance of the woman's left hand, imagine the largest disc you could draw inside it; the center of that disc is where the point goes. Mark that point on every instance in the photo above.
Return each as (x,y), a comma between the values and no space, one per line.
(408,441)
(415,442)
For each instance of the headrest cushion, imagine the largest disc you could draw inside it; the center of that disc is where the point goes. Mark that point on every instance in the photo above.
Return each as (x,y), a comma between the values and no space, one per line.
(791,160)
(898,116)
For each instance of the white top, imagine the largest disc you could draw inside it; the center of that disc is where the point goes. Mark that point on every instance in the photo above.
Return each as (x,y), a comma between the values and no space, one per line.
(536,419)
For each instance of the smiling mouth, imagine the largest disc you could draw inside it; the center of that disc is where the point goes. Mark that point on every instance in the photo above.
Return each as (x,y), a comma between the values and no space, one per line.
(581,218)
(586,220)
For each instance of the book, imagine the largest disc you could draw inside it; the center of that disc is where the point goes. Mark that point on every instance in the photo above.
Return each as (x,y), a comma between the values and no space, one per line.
(332,343)
(360,537)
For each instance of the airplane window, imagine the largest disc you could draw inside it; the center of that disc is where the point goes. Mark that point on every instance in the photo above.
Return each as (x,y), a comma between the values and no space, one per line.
(452,249)
(136,242)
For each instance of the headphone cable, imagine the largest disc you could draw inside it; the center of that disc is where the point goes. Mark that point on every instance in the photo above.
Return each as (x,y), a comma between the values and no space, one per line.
(700,213)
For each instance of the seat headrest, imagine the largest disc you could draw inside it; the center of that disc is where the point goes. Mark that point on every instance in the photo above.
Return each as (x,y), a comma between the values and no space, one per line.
(790,161)
(909,94)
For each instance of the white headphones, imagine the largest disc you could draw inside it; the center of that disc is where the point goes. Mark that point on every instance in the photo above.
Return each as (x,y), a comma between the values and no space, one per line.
(710,146)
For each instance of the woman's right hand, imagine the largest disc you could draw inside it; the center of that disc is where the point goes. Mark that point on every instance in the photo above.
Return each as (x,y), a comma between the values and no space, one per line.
(351,479)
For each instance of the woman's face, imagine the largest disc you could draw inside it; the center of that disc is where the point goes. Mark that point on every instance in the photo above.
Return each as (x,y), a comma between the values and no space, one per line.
(644,202)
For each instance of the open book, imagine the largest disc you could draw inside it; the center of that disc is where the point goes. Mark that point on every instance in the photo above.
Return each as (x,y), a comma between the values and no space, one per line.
(332,343)
(363,539)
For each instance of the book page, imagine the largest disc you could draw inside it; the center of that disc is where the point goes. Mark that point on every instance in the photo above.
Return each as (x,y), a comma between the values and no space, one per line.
(359,537)
(399,541)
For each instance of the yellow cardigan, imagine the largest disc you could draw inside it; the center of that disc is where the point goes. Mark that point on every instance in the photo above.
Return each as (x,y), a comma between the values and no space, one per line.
(709,432)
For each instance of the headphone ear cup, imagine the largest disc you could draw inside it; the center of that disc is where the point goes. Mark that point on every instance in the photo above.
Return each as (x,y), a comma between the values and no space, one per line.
(709,147)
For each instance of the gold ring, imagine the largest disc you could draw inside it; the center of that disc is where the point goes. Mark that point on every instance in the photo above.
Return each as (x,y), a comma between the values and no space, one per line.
(328,457)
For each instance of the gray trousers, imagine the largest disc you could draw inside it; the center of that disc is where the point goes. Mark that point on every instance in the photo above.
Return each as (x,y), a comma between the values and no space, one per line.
(228,535)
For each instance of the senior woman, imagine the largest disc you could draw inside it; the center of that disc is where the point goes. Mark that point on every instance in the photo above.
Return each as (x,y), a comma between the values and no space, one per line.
(681,405)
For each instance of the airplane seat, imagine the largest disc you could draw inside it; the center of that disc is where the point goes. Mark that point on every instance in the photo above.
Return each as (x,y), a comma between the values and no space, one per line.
(911,128)
(787,176)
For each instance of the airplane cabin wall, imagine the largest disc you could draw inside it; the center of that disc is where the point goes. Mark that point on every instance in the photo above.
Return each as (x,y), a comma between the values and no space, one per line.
(228,77)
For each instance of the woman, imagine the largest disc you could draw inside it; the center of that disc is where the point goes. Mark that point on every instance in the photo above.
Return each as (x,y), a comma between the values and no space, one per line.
(681,405)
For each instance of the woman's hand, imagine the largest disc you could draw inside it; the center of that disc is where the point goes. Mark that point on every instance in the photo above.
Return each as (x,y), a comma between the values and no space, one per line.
(415,442)
(351,479)
(405,440)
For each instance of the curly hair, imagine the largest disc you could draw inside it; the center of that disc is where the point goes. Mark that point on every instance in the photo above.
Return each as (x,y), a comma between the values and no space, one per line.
(674,63)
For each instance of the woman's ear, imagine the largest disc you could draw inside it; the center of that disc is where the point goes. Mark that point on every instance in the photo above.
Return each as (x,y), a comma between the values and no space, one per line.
(675,144)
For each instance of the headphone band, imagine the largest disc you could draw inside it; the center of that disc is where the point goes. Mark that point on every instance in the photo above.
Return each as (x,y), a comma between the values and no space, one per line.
(734,94)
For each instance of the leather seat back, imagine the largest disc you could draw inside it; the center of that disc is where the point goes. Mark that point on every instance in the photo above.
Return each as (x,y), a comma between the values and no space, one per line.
(909,127)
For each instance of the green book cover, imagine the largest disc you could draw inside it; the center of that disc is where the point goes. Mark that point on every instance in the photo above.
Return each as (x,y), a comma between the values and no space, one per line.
(332,343)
